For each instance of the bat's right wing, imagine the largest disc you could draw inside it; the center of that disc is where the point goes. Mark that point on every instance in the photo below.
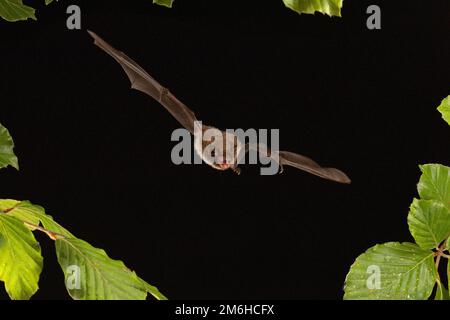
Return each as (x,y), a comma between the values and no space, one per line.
(142,81)
(301,162)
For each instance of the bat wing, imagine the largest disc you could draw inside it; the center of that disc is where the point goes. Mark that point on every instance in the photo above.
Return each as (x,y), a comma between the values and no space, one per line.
(142,81)
(303,163)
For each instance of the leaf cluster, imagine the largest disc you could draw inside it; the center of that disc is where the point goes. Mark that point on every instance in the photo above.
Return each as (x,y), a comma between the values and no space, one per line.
(402,271)
(90,274)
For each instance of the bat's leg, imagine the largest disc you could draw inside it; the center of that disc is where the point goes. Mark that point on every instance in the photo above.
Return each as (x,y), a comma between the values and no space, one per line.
(236,170)
(280,171)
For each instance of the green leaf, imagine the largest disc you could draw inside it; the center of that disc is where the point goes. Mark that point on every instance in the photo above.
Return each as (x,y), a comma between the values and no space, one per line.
(441,292)
(444,109)
(7,156)
(329,7)
(429,223)
(166,3)
(434,183)
(91,275)
(15,10)
(392,271)
(20,258)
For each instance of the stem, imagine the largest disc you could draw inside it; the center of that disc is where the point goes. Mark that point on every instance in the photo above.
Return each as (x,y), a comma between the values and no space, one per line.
(52,235)
(438,259)
(440,253)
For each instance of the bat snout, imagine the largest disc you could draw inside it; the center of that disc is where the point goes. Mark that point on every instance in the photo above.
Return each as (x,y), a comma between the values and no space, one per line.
(223,165)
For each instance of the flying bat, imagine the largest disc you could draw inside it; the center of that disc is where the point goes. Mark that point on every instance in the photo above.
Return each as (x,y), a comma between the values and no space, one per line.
(228,147)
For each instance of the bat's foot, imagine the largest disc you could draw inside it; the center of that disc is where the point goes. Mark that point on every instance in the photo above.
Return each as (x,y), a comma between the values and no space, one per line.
(236,170)
(281,169)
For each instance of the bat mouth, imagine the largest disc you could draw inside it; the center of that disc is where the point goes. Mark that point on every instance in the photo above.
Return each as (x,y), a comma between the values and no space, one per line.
(224,166)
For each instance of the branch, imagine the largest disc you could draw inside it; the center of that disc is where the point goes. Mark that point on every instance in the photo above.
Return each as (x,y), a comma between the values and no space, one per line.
(52,235)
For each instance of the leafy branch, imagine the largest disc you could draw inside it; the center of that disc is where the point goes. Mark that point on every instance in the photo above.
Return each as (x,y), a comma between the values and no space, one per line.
(16,10)
(329,7)
(89,272)
(405,270)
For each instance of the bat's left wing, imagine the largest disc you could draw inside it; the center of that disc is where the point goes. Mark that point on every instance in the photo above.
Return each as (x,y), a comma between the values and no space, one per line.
(301,162)
(142,81)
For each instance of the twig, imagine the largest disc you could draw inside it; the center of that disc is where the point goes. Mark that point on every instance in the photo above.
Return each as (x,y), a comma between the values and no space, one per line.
(52,235)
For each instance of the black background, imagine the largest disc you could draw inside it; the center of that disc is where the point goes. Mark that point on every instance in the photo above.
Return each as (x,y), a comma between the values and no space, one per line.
(96,155)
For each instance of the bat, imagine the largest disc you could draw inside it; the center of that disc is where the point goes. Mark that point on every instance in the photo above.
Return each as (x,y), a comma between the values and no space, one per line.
(221,150)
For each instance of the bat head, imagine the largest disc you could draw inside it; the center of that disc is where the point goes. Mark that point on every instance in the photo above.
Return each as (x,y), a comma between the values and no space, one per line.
(220,149)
